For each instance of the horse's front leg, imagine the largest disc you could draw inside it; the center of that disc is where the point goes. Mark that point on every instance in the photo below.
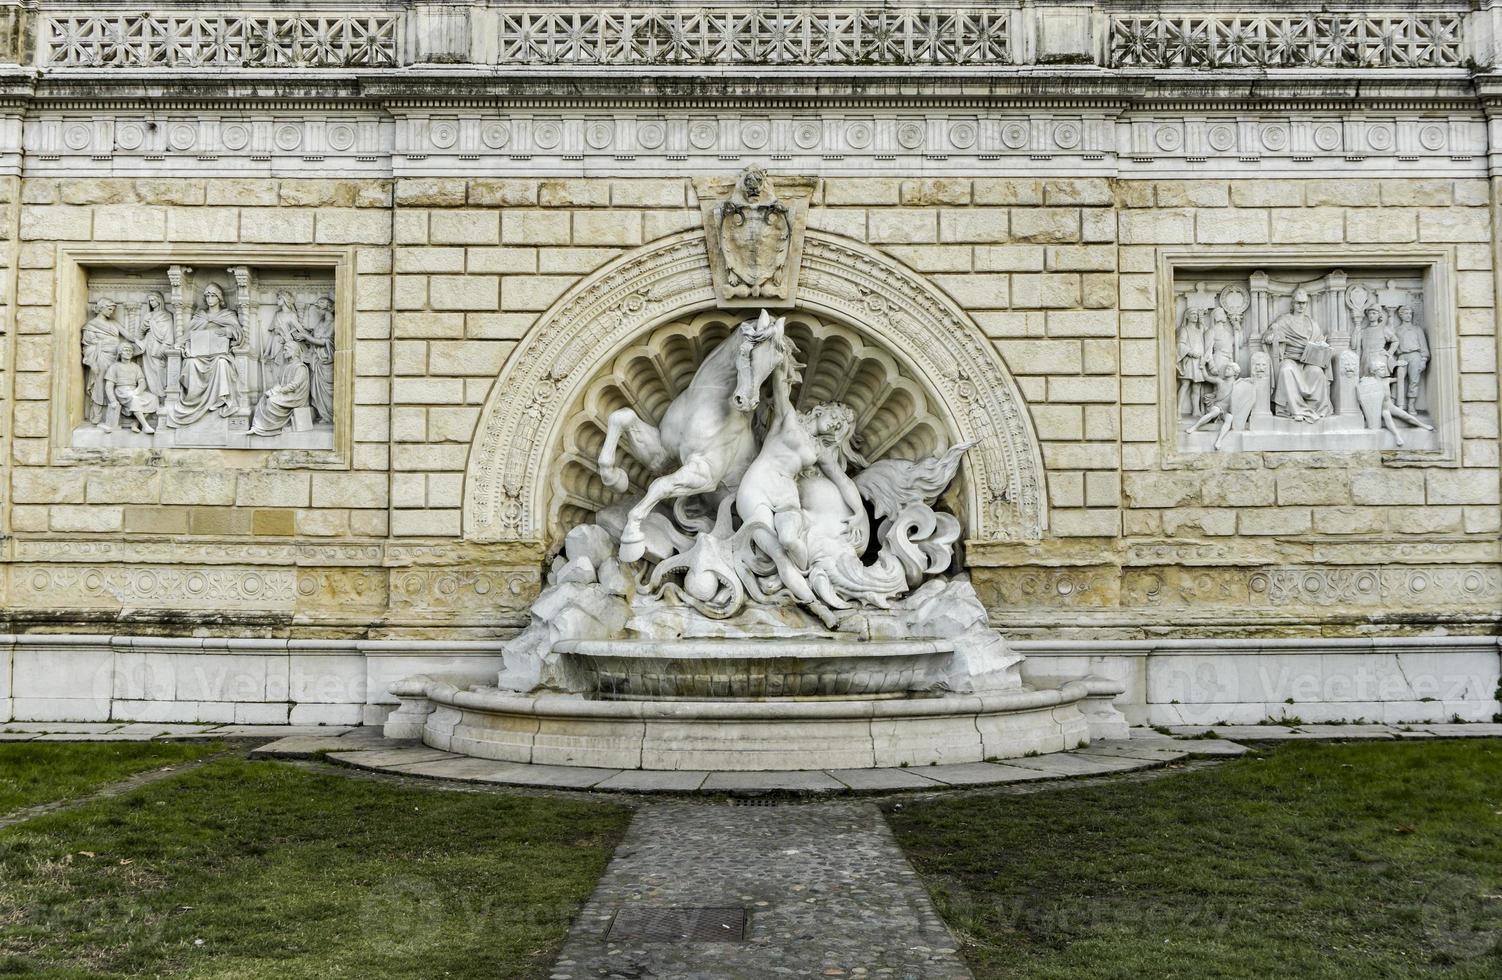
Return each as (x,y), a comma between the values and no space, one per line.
(696,475)
(642,441)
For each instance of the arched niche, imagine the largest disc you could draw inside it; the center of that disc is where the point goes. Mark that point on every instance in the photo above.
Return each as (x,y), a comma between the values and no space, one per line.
(535,424)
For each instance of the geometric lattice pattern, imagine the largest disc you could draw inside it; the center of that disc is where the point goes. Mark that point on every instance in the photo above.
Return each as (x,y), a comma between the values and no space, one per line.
(222,40)
(756,35)
(1322,40)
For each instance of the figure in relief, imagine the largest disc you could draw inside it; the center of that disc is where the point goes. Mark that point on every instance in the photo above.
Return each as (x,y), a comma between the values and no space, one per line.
(158,339)
(285,326)
(278,403)
(1411,357)
(1191,360)
(1299,347)
(1233,402)
(317,340)
(1376,338)
(102,335)
(210,380)
(128,393)
(1374,394)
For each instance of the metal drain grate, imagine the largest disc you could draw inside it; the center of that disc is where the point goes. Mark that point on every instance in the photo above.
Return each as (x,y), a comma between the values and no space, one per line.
(683,925)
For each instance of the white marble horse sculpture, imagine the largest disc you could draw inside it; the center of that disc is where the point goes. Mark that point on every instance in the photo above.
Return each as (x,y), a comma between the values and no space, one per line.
(706,431)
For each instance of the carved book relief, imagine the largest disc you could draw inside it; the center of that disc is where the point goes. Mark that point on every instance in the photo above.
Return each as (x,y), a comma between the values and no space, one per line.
(235,358)
(1300,359)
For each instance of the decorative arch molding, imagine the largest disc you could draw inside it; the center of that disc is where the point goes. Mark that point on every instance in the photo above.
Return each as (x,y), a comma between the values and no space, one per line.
(506,483)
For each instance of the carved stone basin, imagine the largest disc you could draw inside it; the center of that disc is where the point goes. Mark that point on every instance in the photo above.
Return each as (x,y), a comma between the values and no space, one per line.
(762,669)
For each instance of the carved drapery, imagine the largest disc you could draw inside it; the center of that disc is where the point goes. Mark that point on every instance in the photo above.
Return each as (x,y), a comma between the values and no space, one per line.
(521,428)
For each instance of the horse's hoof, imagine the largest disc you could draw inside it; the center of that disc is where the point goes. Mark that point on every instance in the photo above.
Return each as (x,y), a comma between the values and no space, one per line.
(632,550)
(614,478)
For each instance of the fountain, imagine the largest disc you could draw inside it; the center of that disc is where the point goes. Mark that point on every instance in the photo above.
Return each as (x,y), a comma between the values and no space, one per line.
(758,575)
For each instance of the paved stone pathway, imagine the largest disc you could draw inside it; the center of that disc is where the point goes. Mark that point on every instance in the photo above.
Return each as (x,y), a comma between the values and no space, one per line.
(828,891)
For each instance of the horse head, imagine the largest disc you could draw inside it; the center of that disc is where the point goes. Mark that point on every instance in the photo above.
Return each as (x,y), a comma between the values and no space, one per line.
(763,347)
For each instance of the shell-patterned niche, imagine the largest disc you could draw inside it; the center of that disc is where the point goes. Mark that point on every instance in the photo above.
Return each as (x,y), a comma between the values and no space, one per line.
(894,416)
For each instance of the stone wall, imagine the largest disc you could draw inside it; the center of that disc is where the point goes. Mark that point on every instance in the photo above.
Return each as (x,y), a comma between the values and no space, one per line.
(1063,274)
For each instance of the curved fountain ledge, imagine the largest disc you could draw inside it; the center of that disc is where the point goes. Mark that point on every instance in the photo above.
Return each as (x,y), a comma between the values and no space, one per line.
(456,714)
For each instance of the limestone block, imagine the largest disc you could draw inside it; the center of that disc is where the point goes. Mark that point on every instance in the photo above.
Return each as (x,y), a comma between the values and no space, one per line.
(1164,227)
(1041,356)
(240,191)
(77,517)
(272,488)
(1351,192)
(1078,191)
(1082,389)
(350,226)
(1382,225)
(1007,190)
(1410,191)
(1079,455)
(1385,487)
(1009,258)
(429,457)
(1231,226)
(1098,290)
(1163,489)
(409,227)
(933,258)
(648,193)
(279,225)
(862,190)
(1275,520)
(1307,224)
(56,223)
(1047,290)
(109,190)
(850,222)
(1058,422)
(1103,489)
(317,193)
(1475,288)
(1454,225)
(1045,225)
(502,192)
(1472,193)
(1430,519)
(219,520)
(1086,523)
(1098,225)
(901,225)
(483,357)
(660,224)
(431,192)
(1080,258)
(467,292)
(607,228)
(523,227)
(1311,486)
(1192,193)
(532,292)
(973,224)
(1267,193)
(427,391)
(574,193)
(445,489)
(53,486)
(1198,521)
(1462,486)
(414,324)
(124,486)
(409,292)
(1242,488)
(978,291)
(511,258)
(930,191)
(1349,520)
(1066,489)
(425,523)
(430,260)
(349,489)
(203,225)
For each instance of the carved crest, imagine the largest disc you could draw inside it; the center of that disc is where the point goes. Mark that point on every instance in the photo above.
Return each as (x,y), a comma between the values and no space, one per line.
(755,237)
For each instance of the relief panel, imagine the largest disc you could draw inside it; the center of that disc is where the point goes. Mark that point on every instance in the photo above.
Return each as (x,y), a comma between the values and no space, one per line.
(1305,358)
(238,357)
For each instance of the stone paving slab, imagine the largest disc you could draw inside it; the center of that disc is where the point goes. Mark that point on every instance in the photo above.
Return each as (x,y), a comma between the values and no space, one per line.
(979,774)
(60,727)
(94,737)
(18,736)
(1074,764)
(1474,730)
(463,768)
(1211,747)
(279,731)
(881,780)
(299,747)
(154,728)
(653,781)
(381,758)
(1351,732)
(771,782)
(1127,749)
(829,893)
(558,777)
(1246,733)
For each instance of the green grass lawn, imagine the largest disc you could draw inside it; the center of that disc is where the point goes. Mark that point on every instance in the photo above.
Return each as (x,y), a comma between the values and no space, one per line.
(261,869)
(40,772)
(1316,861)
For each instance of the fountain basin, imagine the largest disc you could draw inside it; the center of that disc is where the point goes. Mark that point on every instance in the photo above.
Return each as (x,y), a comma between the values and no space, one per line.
(763,669)
(457,714)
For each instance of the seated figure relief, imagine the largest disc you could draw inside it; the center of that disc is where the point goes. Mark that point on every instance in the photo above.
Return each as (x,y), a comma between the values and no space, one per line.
(234,357)
(1281,360)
